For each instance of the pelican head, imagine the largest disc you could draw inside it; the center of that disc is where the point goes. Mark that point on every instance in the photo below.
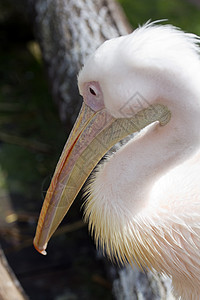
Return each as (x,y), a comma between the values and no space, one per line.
(143,201)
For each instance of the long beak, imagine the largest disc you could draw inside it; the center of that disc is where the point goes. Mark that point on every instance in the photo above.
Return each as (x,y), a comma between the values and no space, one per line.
(93,134)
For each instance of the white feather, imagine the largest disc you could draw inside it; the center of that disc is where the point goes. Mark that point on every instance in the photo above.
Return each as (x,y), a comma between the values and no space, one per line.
(144,201)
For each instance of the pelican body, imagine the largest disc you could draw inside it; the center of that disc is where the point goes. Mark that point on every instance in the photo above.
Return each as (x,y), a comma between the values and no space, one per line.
(143,202)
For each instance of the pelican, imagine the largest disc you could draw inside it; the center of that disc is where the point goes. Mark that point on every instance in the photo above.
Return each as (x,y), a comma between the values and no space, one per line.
(143,201)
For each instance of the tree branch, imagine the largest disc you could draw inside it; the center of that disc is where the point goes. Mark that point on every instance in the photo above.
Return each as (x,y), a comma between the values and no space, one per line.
(10,288)
(68,31)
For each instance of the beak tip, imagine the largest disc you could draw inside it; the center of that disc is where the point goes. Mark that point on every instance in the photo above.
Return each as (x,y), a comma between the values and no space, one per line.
(39,249)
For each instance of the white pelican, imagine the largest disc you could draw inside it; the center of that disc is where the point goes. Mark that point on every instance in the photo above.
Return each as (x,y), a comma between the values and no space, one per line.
(143,201)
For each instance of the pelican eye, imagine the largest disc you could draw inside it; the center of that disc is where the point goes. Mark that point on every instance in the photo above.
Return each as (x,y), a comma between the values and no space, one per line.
(93,96)
(93,91)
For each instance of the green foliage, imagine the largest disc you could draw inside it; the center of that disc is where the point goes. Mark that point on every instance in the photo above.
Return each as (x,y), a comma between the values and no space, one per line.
(178,12)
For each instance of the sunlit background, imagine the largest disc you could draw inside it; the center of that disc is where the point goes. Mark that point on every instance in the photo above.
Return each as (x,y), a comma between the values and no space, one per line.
(31,140)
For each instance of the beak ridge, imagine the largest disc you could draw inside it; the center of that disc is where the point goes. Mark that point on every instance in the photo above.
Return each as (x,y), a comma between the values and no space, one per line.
(93,134)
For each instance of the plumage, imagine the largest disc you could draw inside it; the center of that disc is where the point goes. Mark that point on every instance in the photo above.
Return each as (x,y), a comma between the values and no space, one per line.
(143,202)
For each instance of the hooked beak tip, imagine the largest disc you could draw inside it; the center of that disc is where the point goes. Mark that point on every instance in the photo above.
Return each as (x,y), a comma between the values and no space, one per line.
(41,251)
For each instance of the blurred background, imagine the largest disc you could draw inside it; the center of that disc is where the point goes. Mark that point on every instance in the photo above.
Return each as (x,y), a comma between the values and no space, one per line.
(31,140)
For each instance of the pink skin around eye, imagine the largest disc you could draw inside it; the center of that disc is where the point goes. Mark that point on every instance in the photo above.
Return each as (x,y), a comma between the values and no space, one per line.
(93,95)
